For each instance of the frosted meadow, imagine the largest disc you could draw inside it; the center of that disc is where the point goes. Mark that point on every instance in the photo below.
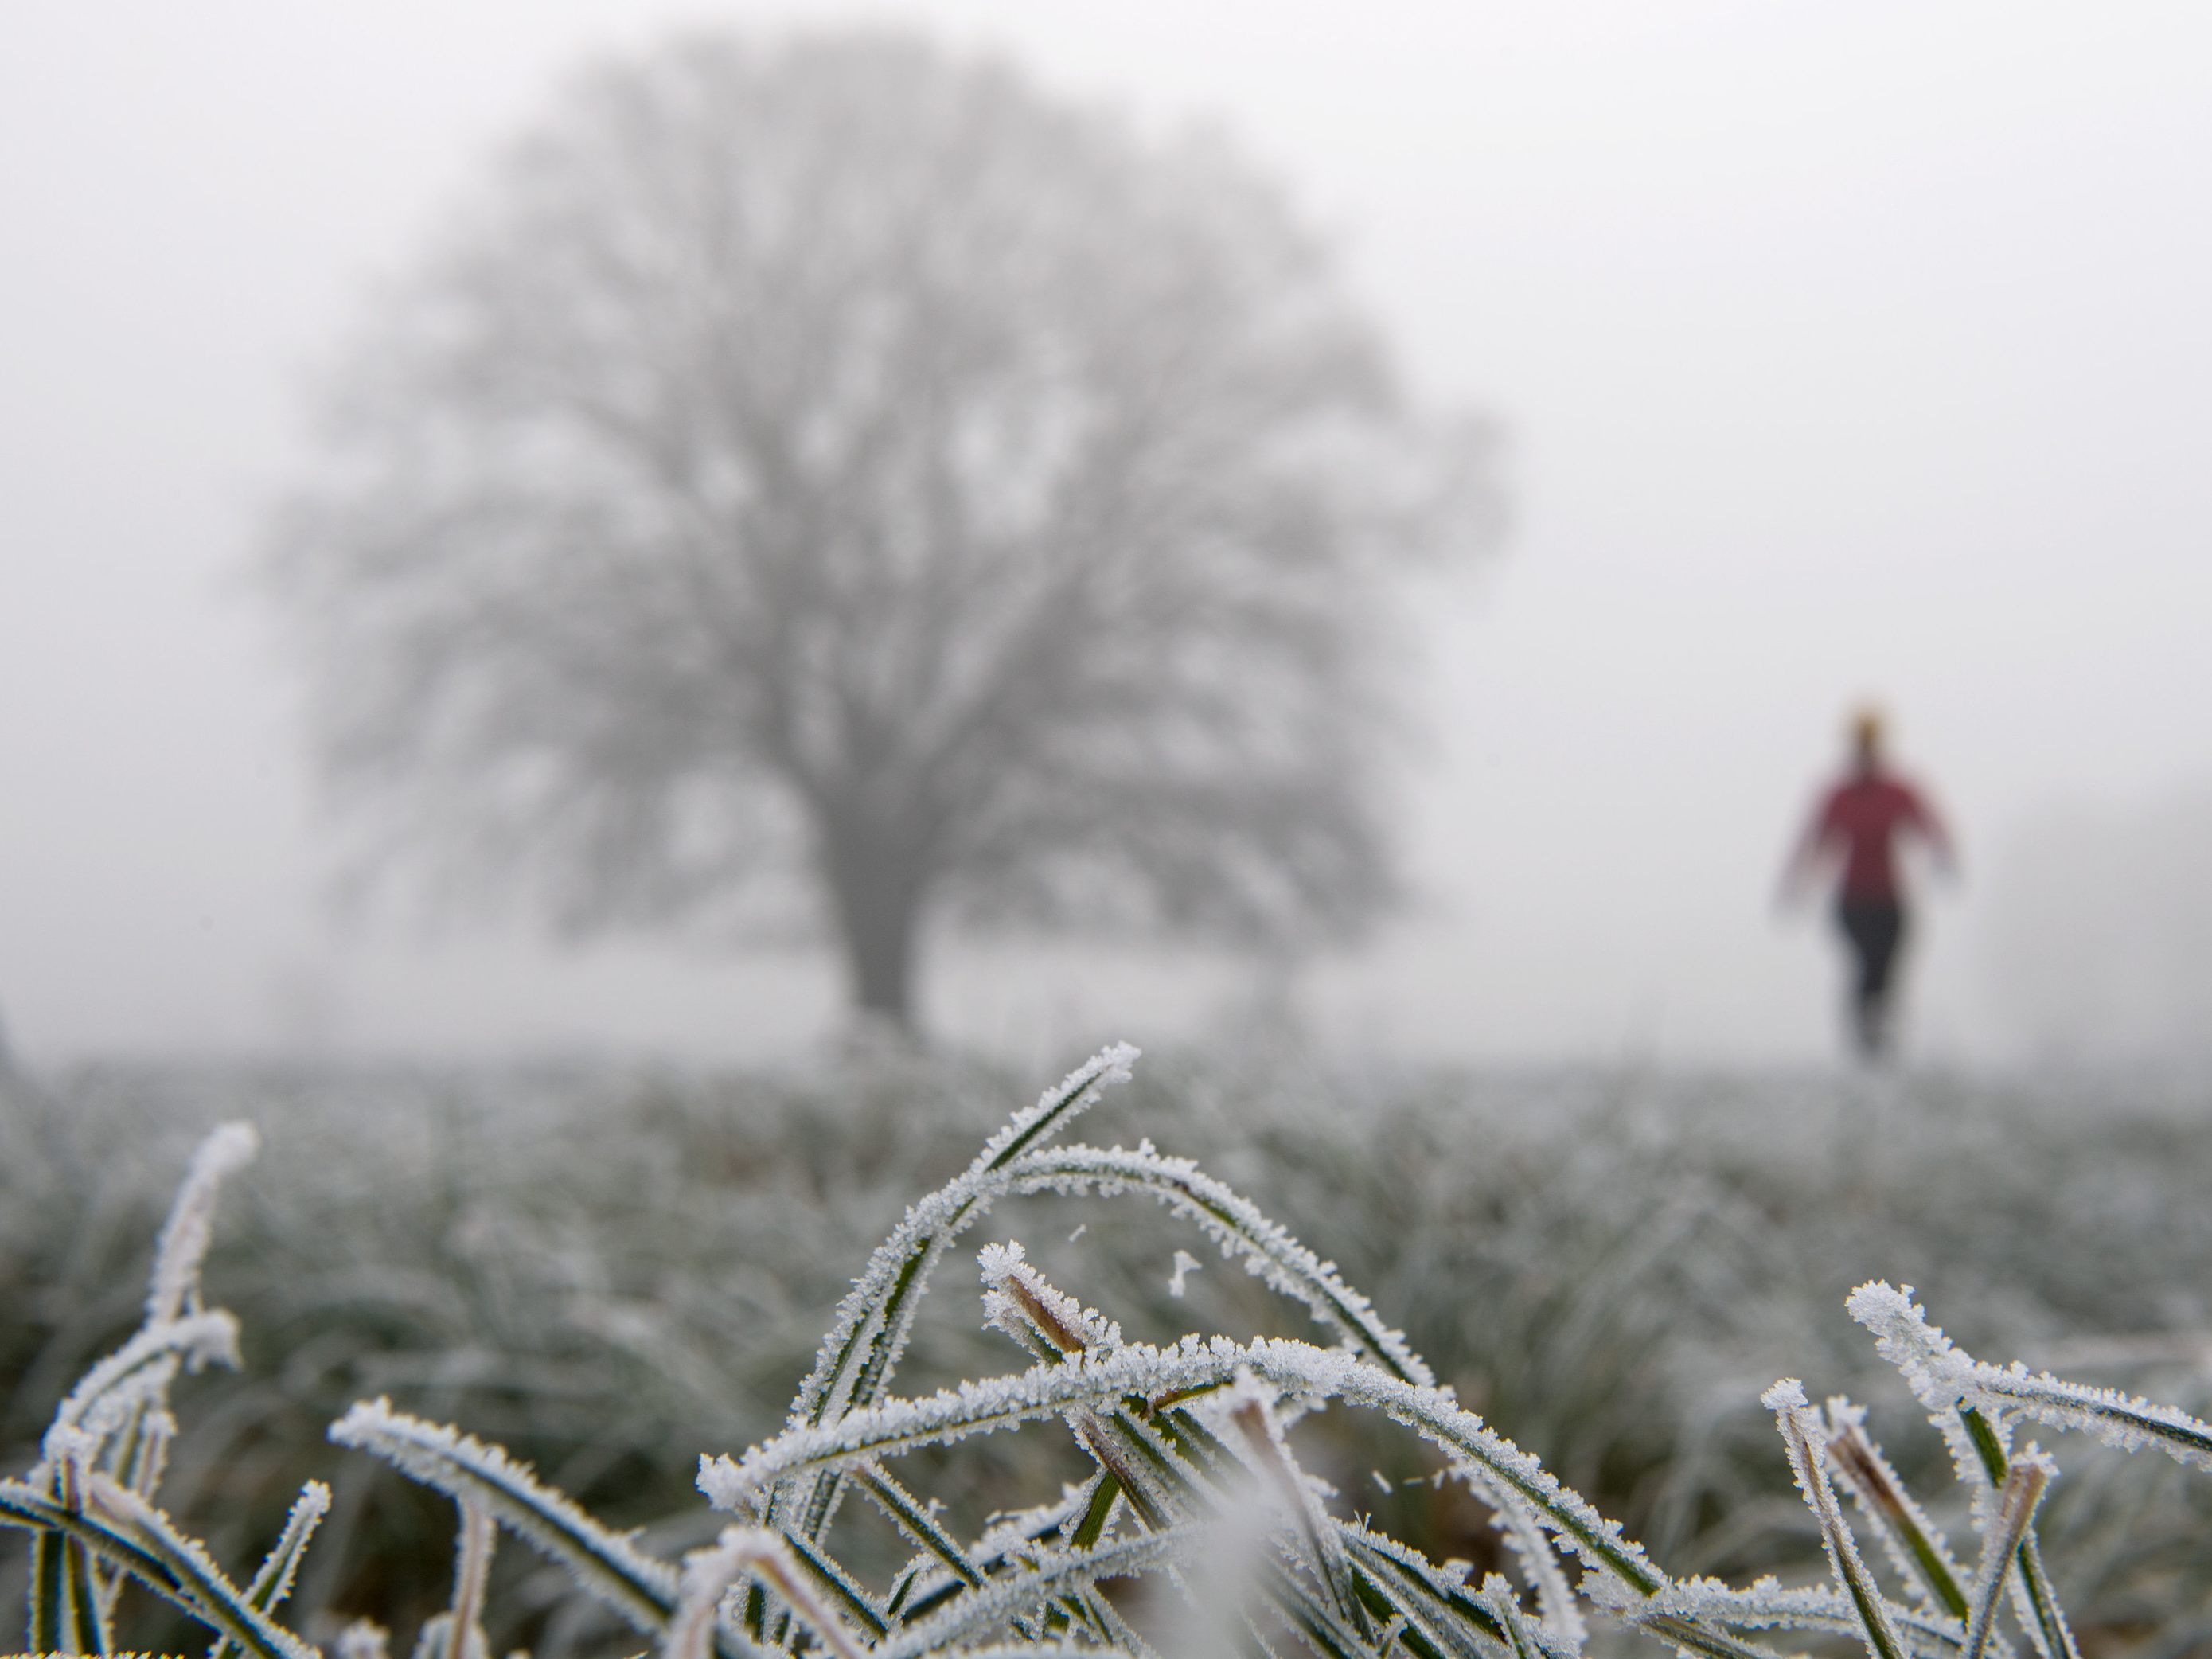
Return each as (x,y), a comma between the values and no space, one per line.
(869,478)
(554,1322)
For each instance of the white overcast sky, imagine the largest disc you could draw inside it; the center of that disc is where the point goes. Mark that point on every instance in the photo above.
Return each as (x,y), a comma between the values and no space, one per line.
(1846,347)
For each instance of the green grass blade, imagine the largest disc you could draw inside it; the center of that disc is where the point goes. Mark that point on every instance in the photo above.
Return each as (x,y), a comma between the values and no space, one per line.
(1056,1573)
(606,1565)
(187,1568)
(2041,1614)
(1240,1229)
(273,1582)
(864,1345)
(1803,1434)
(1913,1540)
(1295,1369)
(2023,1489)
(913,1518)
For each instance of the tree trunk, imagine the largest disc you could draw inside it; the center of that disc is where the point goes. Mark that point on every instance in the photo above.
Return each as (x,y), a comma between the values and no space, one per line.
(877,900)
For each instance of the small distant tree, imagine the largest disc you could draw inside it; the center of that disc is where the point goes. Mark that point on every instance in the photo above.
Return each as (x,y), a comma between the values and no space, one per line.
(837,457)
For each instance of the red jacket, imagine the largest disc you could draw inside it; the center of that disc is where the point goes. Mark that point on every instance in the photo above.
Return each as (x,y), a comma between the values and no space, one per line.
(1863,816)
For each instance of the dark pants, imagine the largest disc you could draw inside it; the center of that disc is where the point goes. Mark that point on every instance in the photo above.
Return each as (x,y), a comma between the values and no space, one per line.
(1874,929)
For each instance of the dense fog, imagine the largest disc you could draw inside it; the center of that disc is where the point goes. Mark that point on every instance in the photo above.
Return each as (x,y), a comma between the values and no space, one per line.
(1839,354)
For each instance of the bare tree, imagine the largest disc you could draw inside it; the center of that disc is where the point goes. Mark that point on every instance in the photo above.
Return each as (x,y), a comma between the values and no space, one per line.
(835,456)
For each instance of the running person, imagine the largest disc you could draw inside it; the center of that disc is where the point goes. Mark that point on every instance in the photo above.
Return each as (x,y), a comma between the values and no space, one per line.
(1859,821)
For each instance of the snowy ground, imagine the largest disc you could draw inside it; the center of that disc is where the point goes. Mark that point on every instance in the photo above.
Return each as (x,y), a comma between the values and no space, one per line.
(616,1270)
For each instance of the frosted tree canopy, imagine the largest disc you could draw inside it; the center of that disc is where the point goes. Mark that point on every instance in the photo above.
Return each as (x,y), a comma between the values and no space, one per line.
(838,460)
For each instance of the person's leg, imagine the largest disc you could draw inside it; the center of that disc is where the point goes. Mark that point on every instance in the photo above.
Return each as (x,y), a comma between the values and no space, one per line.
(1873,927)
(1882,930)
(1850,923)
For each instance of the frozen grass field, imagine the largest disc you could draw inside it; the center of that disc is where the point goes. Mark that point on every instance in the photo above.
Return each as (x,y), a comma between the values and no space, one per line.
(612,1272)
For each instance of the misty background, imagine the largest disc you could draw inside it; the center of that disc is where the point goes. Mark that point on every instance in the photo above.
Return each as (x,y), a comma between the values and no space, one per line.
(1848,353)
